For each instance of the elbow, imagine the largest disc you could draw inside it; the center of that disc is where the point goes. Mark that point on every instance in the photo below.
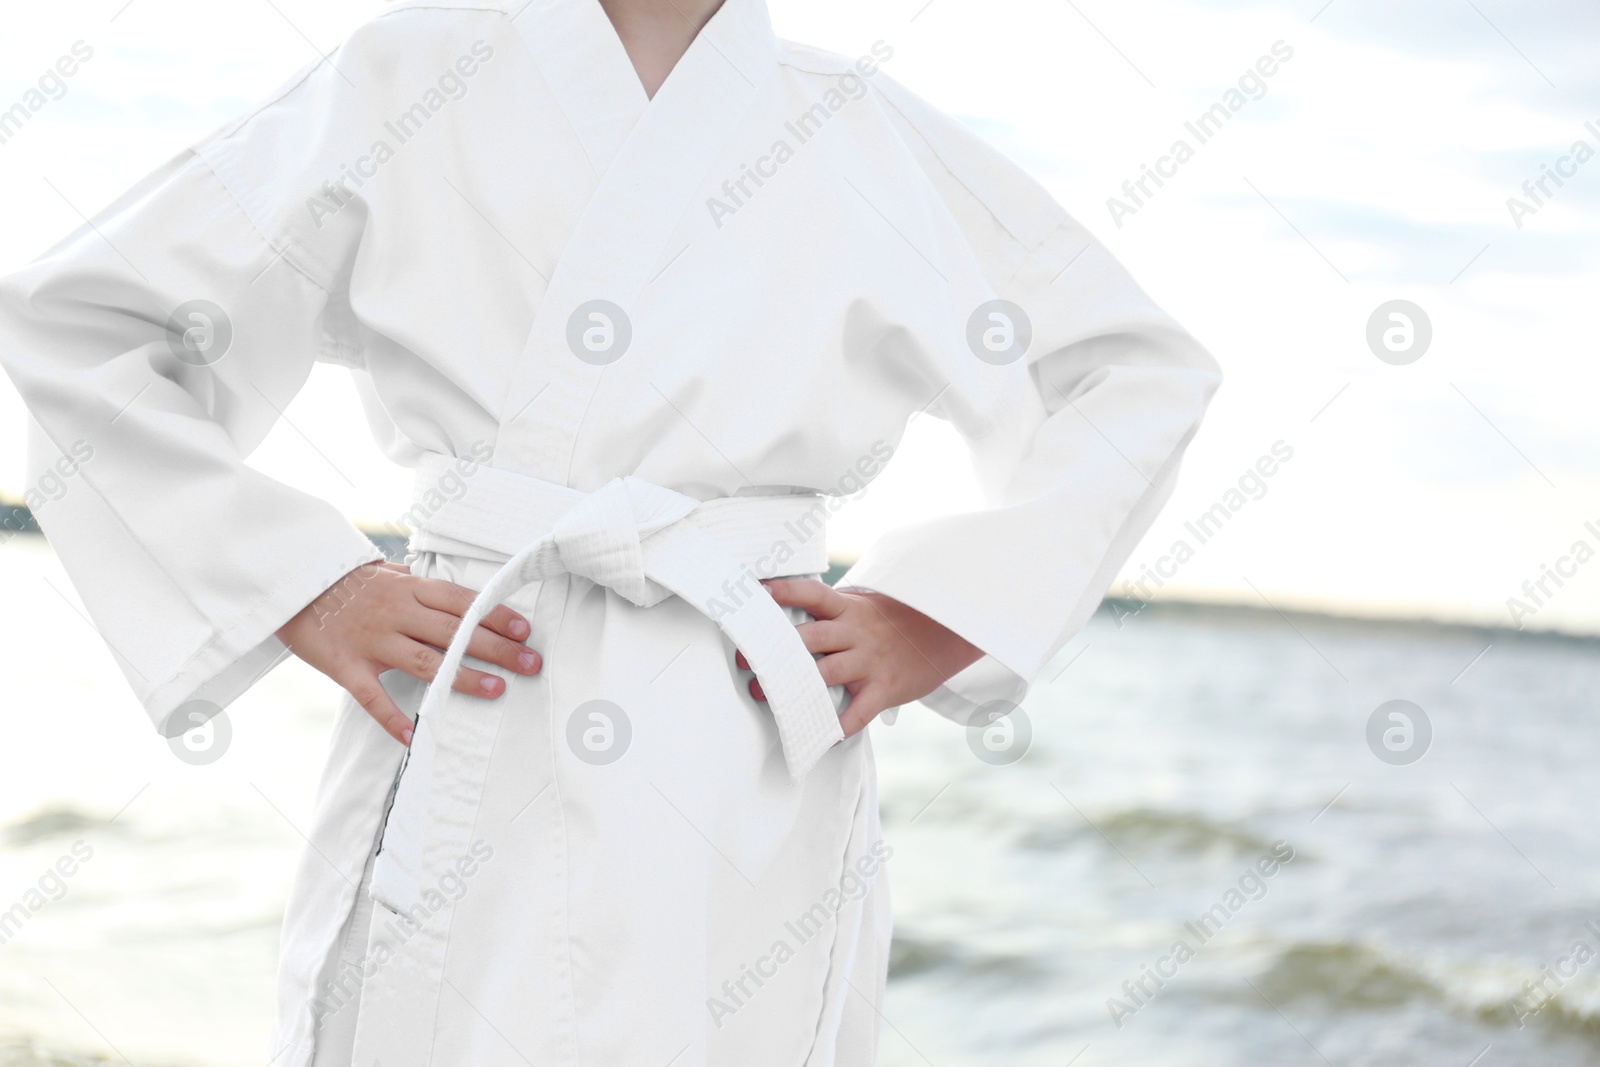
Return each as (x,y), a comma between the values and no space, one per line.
(1161,358)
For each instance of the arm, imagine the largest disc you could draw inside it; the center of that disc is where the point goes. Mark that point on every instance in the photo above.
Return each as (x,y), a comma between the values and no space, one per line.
(186,559)
(965,609)
(1117,391)
(200,573)
(883,652)
(1077,447)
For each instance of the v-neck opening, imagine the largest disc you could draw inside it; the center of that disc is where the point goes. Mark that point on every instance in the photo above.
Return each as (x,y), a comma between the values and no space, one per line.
(638,79)
(616,44)
(589,72)
(650,155)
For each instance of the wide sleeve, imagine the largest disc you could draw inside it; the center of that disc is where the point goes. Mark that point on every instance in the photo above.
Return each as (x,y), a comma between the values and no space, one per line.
(1092,426)
(155,348)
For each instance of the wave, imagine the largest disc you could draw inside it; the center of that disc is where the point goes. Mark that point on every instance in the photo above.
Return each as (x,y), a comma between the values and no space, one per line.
(1173,831)
(50,822)
(29,1054)
(1362,976)
(910,955)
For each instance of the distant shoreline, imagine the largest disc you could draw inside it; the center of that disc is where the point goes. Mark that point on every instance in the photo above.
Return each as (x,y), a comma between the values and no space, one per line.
(16,519)
(1365,620)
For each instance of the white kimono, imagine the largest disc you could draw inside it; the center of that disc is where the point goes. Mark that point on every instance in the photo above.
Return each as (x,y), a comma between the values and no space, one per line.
(639,348)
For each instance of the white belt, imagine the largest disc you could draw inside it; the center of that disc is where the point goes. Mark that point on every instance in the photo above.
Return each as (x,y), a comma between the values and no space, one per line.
(646,543)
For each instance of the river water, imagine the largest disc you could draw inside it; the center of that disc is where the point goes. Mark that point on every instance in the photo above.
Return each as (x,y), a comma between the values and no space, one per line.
(1176,755)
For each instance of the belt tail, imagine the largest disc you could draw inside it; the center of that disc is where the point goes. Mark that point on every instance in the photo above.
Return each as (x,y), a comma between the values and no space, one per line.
(698,569)
(398,871)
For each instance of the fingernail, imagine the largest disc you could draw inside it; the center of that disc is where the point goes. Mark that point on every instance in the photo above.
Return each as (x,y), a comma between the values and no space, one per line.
(519,629)
(527,661)
(406,738)
(487,685)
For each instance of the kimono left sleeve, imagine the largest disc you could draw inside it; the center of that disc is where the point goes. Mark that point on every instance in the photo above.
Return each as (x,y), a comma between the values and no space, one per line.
(155,348)
(1090,435)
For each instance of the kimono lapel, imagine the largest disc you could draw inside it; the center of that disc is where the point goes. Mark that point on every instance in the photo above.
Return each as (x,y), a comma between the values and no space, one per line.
(651,171)
(648,175)
(588,72)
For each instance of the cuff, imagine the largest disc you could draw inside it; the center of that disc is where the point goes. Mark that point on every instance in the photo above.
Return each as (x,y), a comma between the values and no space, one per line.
(983,681)
(965,692)
(242,654)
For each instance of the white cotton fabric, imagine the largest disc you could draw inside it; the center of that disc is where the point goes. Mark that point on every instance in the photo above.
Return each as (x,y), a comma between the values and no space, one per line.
(799,247)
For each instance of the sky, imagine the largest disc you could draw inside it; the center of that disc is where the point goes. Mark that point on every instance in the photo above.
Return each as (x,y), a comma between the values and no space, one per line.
(1373,165)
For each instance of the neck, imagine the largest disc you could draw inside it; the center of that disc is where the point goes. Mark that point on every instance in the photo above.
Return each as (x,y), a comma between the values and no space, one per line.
(657,33)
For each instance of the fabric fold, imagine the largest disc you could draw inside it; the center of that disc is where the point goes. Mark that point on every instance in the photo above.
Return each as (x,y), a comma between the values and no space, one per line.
(632,537)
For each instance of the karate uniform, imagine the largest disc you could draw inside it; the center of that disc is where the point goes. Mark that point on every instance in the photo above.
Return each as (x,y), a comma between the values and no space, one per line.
(637,350)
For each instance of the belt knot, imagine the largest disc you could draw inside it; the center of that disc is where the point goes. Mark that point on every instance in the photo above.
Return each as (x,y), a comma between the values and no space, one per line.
(601,537)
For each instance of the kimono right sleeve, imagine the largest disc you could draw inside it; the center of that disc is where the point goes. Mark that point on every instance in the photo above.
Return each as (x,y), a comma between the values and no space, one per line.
(1076,451)
(154,349)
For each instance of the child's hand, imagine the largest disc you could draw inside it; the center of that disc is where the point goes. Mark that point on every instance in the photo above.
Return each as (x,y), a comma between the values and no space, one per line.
(380,617)
(884,653)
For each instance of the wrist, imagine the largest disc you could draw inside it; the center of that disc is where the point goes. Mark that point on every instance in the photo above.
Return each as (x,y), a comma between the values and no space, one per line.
(947,651)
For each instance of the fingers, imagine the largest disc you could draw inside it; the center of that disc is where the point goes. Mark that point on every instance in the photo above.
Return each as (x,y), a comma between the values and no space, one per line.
(819,599)
(502,620)
(865,705)
(827,636)
(423,661)
(842,668)
(853,671)
(455,599)
(818,637)
(375,701)
(438,628)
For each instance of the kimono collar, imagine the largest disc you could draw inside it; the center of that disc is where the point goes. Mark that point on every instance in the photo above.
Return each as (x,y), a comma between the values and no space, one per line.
(589,72)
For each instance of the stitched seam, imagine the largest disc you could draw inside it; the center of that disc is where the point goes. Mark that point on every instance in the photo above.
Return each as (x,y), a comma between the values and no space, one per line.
(291,252)
(557,736)
(220,633)
(844,865)
(790,53)
(242,121)
(941,156)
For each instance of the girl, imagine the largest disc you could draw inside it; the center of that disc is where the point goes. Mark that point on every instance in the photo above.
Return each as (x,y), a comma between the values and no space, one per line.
(641,292)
